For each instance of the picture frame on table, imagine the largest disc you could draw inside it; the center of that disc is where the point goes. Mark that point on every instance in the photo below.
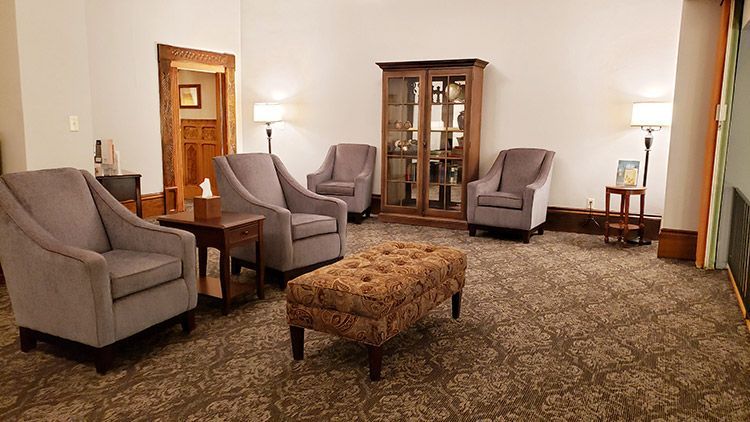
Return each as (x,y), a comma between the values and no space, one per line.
(627,173)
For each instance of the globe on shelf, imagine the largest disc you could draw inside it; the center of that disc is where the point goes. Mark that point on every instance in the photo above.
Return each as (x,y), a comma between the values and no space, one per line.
(454,92)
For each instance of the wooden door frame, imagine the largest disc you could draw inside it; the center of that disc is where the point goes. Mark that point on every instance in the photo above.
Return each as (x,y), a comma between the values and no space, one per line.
(171,59)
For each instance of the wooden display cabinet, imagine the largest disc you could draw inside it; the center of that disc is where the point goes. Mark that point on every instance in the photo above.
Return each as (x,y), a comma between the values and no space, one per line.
(430,140)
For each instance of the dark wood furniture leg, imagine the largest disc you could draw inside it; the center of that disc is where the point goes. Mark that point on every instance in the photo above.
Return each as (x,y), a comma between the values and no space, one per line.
(472,230)
(28,338)
(376,361)
(202,260)
(103,358)
(456,305)
(298,342)
(260,272)
(526,236)
(641,222)
(138,201)
(187,320)
(540,230)
(606,219)
(626,217)
(225,277)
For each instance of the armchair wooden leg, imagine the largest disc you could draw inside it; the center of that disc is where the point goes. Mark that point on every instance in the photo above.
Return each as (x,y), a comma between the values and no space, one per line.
(526,236)
(28,338)
(456,305)
(541,230)
(376,361)
(188,321)
(298,342)
(472,230)
(368,212)
(103,359)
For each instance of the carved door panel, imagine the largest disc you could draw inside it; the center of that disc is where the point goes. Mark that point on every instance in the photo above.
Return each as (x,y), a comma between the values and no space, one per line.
(200,144)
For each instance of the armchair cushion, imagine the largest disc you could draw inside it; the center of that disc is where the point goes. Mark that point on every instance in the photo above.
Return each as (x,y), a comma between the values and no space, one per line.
(349,161)
(500,200)
(336,188)
(60,201)
(131,271)
(257,173)
(520,168)
(308,225)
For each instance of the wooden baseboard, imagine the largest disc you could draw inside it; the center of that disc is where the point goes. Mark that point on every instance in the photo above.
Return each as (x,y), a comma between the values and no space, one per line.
(572,220)
(153,204)
(677,244)
(743,311)
(444,223)
(578,220)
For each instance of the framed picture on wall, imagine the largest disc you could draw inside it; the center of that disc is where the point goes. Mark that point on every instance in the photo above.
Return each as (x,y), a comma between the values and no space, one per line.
(190,96)
(627,172)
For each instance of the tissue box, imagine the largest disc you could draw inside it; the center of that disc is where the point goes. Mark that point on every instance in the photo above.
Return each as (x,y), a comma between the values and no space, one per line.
(207,208)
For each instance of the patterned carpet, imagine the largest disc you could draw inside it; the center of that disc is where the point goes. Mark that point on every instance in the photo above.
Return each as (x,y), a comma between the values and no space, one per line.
(563,328)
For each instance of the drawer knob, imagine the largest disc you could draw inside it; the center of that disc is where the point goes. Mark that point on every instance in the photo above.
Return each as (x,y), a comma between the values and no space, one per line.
(246,232)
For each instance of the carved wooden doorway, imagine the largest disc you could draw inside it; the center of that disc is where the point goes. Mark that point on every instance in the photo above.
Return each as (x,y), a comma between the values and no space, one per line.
(171,60)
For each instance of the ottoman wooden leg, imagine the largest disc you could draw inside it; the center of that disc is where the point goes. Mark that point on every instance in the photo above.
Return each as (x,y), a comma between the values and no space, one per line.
(376,361)
(298,342)
(456,305)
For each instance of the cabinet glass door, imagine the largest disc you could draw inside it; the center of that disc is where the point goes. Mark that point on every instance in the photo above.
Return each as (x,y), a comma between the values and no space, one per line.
(402,116)
(446,142)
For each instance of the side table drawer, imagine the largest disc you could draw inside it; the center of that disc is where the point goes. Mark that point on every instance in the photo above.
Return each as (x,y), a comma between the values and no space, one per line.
(243,234)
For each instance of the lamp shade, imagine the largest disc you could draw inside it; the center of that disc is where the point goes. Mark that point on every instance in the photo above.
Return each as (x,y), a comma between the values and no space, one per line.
(651,114)
(267,112)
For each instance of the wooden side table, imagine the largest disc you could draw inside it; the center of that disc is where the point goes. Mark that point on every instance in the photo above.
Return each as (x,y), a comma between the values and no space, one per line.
(224,233)
(622,224)
(124,186)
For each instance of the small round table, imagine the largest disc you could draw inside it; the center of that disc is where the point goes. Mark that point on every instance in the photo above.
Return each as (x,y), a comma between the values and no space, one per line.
(622,224)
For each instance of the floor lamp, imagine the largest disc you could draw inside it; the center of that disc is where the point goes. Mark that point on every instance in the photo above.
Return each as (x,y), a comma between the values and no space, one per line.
(267,113)
(650,117)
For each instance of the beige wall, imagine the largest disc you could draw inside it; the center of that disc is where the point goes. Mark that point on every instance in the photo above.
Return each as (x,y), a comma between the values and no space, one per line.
(562,76)
(207,81)
(12,145)
(692,112)
(124,71)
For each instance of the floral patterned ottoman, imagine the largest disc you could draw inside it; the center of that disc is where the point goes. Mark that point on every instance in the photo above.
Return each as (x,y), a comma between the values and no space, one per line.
(373,295)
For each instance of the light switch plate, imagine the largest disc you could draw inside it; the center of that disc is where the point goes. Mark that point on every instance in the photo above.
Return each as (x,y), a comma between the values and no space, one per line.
(73,123)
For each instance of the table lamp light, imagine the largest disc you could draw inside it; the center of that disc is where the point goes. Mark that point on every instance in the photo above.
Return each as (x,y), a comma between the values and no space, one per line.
(267,113)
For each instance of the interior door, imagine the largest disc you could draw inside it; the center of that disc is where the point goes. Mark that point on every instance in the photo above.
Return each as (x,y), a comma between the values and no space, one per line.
(201,142)
(447,114)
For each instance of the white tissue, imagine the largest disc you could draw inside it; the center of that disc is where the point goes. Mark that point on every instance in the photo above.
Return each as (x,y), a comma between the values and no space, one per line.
(206,188)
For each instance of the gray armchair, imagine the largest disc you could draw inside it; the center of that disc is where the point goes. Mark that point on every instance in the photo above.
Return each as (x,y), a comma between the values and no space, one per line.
(346,174)
(302,230)
(80,266)
(514,194)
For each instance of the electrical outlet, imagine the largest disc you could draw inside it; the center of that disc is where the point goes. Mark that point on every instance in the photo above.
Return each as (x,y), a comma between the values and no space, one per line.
(590,203)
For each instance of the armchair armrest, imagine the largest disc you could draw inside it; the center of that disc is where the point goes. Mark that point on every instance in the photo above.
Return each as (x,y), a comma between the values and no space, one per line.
(301,200)
(363,181)
(128,231)
(54,288)
(489,183)
(325,172)
(536,194)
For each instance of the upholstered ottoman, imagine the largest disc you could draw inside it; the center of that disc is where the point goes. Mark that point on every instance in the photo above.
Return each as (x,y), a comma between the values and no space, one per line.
(374,295)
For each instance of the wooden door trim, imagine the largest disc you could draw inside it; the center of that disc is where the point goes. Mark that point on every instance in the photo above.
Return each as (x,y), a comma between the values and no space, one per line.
(170,59)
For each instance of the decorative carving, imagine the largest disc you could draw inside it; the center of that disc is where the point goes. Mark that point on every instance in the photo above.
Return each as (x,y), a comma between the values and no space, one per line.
(174,186)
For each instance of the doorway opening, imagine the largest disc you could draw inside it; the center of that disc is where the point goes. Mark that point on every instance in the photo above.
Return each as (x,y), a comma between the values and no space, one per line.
(198,118)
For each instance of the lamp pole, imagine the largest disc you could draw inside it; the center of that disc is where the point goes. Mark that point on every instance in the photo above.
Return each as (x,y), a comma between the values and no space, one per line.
(649,142)
(268,135)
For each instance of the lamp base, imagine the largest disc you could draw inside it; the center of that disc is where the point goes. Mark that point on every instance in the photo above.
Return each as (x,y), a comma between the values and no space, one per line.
(639,241)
